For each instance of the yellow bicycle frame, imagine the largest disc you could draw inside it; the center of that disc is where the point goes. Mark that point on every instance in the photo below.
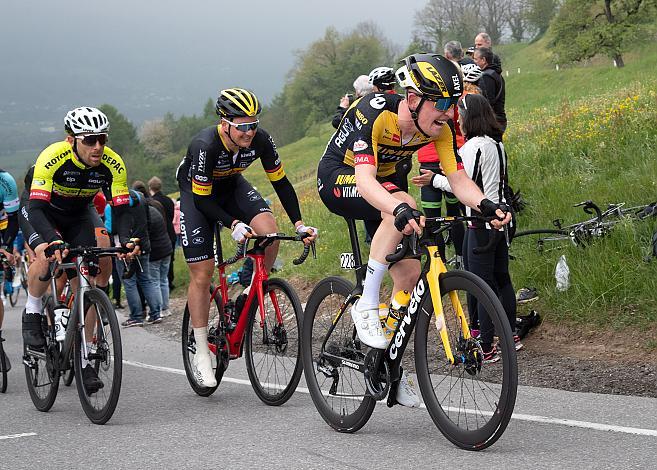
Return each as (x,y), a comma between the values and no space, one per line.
(436,268)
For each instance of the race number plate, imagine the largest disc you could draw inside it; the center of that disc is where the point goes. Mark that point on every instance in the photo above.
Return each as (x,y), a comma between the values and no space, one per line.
(347,261)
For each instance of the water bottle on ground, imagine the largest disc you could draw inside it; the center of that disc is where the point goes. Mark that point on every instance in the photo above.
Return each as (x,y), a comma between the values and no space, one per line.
(562,274)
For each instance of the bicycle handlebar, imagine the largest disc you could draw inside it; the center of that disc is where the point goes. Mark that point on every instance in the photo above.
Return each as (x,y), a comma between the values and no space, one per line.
(436,225)
(85,252)
(263,241)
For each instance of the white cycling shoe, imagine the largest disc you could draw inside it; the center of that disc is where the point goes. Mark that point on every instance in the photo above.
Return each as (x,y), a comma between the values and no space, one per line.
(406,394)
(203,372)
(368,327)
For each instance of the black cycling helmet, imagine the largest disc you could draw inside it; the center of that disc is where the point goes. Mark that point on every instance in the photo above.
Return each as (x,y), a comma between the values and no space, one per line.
(430,75)
(237,102)
(383,78)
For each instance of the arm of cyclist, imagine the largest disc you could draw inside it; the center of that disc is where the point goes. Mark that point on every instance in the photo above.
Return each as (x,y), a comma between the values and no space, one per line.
(8,236)
(376,195)
(123,221)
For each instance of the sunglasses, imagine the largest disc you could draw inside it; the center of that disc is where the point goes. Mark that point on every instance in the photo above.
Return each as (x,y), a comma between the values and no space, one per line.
(245,126)
(90,140)
(443,104)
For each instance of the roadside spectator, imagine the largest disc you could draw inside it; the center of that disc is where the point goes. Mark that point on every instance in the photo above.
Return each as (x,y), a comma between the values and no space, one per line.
(362,87)
(454,52)
(139,215)
(492,85)
(383,80)
(155,189)
(116,279)
(176,221)
(160,255)
(484,40)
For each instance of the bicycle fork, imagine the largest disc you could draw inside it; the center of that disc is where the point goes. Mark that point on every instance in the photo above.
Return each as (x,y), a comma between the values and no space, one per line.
(437,267)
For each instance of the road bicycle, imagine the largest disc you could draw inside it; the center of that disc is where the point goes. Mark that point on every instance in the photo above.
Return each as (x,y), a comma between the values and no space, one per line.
(20,280)
(94,337)
(583,233)
(4,366)
(470,401)
(266,323)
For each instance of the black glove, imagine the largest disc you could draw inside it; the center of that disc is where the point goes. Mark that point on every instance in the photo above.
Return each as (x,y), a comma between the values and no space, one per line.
(488,208)
(57,245)
(404,214)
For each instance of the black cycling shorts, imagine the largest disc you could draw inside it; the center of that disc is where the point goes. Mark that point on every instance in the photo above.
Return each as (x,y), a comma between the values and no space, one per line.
(238,198)
(80,229)
(337,189)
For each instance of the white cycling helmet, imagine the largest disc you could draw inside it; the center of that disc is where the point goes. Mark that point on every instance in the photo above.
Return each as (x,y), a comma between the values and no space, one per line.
(471,72)
(382,77)
(86,120)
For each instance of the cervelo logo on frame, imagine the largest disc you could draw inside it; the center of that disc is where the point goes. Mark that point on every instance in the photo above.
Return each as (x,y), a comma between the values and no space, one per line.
(416,296)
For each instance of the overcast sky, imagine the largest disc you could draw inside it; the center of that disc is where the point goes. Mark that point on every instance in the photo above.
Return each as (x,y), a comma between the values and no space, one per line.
(149,56)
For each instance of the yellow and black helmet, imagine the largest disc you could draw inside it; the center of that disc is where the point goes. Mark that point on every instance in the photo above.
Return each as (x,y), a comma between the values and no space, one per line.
(430,75)
(237,102)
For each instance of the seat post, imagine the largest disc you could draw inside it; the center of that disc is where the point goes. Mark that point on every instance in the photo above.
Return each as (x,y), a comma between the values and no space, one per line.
(355,248)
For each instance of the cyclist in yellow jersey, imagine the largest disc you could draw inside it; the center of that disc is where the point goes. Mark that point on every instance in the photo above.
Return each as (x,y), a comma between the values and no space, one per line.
(357,176)
(67,176)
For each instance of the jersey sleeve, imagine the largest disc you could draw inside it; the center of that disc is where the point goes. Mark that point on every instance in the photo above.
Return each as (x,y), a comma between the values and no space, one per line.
(445,146)
(119,187)
(42,179)
(271,160)
(201,168)
(367,127)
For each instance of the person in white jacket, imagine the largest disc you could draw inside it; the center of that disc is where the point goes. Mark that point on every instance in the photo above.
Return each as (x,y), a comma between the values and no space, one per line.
(485,162)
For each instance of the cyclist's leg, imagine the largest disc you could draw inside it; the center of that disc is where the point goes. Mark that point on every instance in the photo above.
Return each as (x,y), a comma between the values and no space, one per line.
(200,261)
(102,239)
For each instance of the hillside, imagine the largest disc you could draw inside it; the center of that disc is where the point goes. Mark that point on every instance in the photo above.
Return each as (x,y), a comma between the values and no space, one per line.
(585,132)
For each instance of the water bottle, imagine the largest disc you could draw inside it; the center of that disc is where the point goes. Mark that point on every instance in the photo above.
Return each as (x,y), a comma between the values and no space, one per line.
(61,321)
(562,274)
(390,316)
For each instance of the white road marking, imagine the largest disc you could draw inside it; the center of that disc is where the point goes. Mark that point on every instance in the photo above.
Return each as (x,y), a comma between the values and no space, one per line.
(516,416)
(16,436)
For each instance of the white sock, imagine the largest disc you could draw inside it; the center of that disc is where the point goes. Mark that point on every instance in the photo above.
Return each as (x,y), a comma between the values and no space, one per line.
(375,273)
(33,304)
(82,358)
(201,336)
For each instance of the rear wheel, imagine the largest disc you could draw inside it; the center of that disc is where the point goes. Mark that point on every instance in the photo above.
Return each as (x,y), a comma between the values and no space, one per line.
(215,340)
(41,372)
(3,369)
(471,402)
(339,393)
(273,346)
(105,356)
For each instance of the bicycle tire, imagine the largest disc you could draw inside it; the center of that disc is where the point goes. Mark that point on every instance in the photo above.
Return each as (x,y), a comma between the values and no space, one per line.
(3,369)
(13,297)
(189,348)
(347,412)
(41,375)
(69,375)
(105,354)
(476,427)
(275,368)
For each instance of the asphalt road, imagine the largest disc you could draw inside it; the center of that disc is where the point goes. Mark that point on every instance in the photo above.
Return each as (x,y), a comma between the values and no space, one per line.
(161,423)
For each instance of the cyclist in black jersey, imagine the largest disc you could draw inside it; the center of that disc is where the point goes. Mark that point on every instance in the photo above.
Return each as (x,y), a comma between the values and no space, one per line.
(213,189)
(358,175)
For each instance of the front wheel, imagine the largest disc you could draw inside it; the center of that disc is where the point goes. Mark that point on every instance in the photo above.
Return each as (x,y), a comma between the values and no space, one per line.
(470,400)
(214,338)
(273,346)
(104,355)
(3,369)
(329,342)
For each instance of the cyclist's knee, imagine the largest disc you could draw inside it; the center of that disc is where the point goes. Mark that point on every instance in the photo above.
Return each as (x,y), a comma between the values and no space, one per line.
(200,274)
